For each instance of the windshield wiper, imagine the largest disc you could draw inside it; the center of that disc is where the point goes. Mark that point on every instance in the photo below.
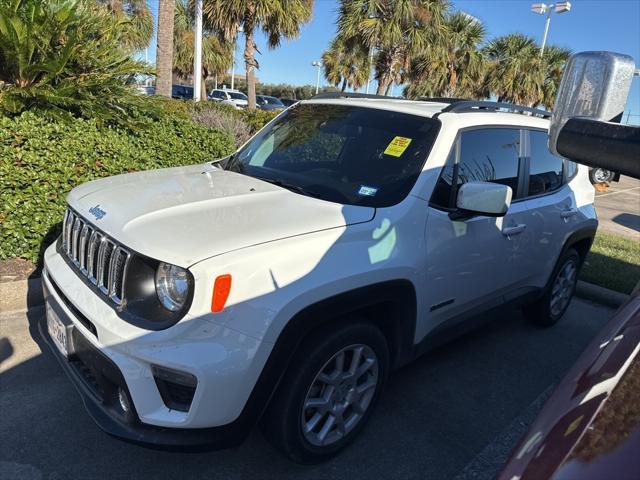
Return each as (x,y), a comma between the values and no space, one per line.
(291,187)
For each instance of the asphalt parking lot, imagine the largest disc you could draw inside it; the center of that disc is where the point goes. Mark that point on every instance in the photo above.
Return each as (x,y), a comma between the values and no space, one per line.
(618,208)
(455,413)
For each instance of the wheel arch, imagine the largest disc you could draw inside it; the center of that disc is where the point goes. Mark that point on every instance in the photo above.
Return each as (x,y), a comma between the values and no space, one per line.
(581,241)
(391,305)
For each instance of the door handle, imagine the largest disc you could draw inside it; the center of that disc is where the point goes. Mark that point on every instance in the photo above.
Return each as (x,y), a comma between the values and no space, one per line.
(568,213)
(515,230)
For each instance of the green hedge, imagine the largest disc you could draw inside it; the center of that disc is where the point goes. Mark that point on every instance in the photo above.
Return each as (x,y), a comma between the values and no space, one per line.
(42,160)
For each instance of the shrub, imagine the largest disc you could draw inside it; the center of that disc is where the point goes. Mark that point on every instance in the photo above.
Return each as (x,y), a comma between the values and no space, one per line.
(225,121)
(255,119)
(66,58)
(258,118)
(41,161)
(240,124)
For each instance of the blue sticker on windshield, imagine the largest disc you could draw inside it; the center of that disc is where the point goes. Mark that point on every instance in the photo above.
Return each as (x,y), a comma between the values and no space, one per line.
(367,191)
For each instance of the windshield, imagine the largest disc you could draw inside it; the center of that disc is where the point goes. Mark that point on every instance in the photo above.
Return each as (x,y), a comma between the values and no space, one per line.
(272,100)
(237,96)
(344,154)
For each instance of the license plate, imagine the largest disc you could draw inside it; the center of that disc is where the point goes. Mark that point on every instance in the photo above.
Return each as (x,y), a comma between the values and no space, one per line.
(57,331)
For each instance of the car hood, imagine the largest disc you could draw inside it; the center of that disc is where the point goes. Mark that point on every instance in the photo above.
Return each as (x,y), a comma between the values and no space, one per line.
(186,214)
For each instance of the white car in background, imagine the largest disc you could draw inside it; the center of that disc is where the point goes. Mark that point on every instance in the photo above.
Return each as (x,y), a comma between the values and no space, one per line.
(284,282)
(232,97)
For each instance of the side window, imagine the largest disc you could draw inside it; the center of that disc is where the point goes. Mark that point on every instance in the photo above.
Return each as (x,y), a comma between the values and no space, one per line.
(571,169)
(485,155)
(490,155)
(545,169)
(441,196)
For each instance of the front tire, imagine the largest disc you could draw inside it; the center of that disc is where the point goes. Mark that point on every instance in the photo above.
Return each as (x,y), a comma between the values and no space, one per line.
(328,393)
(557,296)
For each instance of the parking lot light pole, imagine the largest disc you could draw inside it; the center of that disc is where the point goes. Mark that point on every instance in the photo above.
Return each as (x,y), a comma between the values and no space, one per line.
(197,56)
(542,9)
(370,67)
(233,60)
(317,64)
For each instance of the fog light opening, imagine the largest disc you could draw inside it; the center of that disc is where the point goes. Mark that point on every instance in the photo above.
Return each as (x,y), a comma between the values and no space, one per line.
(123,400)
(176,388)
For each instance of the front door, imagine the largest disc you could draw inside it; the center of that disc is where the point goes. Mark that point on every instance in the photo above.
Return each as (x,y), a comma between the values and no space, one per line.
(472,263)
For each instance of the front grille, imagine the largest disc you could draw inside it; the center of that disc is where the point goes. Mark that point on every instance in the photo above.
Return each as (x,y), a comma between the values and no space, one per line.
(95,255)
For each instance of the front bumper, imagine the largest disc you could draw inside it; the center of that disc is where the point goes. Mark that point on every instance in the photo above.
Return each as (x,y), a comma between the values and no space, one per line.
(98,381)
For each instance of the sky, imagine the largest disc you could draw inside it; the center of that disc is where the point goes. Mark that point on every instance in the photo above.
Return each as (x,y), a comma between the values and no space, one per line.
(612,25)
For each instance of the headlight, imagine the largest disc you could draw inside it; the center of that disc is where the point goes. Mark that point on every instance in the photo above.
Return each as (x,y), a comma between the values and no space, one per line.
(172,286)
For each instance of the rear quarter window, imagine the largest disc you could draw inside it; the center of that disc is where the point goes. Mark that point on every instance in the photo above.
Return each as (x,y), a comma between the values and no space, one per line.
(545,169)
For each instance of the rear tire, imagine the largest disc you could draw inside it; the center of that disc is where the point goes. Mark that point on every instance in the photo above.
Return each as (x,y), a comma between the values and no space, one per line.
(550,308)
(320,406)
(600,175)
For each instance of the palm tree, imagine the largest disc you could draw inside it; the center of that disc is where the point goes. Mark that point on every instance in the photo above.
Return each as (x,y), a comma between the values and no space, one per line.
(164,50)
(346,61)
(397,29)
(216,56)
(139,30)
(277,18)
(452,65)
(555,59)
(518,74)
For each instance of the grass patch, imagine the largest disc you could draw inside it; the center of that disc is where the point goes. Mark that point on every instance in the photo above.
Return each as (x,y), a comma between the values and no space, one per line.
(613,262)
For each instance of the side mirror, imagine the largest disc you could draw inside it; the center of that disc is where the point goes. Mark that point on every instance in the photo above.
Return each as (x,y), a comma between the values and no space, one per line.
(483,198)
(594,86)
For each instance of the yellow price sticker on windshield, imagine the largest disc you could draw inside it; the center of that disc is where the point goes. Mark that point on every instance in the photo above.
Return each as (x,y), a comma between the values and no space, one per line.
(397,146)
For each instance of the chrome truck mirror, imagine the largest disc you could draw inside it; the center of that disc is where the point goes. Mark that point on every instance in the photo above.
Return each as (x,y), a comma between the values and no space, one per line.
(589,106)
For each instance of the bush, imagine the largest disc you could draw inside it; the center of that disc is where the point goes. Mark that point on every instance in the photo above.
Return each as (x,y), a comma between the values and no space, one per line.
(41,161)
(225,121)
(66,58)
(258,118)
(254,119)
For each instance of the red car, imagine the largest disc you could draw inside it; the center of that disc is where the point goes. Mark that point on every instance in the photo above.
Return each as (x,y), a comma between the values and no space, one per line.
(590,427)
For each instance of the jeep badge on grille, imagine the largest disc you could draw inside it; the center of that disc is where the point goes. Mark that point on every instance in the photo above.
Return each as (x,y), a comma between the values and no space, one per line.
(97,212)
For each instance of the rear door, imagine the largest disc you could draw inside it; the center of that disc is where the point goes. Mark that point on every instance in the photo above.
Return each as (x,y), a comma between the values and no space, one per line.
(551,204)
(474,262)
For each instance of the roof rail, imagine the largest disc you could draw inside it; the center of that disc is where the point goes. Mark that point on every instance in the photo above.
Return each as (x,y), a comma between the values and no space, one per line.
(455,105)
(477,106)
(442,99)
(333,95)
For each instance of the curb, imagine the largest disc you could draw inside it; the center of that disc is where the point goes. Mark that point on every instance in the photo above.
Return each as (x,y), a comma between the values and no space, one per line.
(21,294)
(595,293)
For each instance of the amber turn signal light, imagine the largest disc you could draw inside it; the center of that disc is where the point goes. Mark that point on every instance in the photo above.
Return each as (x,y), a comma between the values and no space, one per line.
(221,290)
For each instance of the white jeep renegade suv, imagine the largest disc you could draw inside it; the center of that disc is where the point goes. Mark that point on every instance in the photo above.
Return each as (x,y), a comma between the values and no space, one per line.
(285,282)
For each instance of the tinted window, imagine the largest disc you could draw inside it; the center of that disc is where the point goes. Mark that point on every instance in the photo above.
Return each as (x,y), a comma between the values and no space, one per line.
(353,155)
(216,94)
(545,169)
(486,155)
(237,95)
(572,168)
(490,155)
(441,196)
(272,101)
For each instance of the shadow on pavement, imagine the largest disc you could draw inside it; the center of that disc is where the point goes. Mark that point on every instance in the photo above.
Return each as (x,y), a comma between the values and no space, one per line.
(629,220)
(436,415)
